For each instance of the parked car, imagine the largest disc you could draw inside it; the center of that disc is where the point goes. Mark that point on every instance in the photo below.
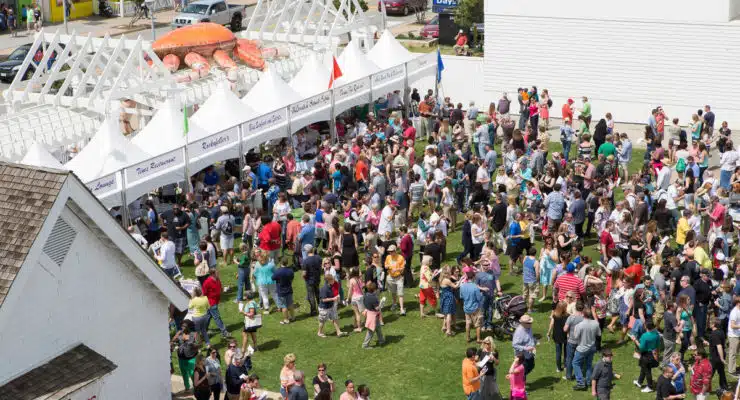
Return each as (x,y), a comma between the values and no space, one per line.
(403,7)
(431,29)
(216,11)
(12,66)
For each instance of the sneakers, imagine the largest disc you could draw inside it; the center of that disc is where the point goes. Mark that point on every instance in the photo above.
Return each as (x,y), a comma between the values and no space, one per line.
(636,383)
(579,387)
(646,389)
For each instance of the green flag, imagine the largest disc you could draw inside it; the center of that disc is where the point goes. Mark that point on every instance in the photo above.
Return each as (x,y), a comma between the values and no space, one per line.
(185,124)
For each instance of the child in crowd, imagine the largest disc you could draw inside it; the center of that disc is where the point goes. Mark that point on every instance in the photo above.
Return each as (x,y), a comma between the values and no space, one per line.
(252,321)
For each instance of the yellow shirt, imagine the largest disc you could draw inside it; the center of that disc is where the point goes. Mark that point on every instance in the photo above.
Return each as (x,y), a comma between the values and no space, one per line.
(199,305)
(395,265)
(425,277)
(681,230)
(524,225)
(701,257)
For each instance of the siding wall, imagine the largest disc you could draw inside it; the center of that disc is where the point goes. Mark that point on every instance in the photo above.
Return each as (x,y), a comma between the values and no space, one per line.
(625,67)
(93,298)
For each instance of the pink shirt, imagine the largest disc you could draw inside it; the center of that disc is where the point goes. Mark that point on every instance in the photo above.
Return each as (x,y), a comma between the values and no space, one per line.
(717,216)
(516,381)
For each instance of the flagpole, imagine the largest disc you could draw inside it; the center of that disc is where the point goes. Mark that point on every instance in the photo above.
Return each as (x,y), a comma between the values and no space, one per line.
(187,157)
(333,122)
(436,78)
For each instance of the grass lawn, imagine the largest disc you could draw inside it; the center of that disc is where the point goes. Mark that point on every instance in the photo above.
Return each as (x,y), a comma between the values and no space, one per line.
(418,361)
(444,49)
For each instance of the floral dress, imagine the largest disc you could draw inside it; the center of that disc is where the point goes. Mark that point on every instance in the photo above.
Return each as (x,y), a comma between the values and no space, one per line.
(447,301)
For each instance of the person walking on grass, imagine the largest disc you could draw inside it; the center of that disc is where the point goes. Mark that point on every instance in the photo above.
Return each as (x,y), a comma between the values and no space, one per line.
(283,278)
(648,344)
(717,352)
(328,299)
(252,322)
(472,299)
(471,377)
(426,291)
(586,334)
(530,277)
(212,289)
(373,317)
(701,375)
(602,376)
(524,342)
(395,264)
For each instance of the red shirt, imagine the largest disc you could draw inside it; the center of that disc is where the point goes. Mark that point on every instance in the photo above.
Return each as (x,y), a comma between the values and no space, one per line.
(637,272)
(407,246)
(270,236)
(212,290)
(606,239)
(567,112)
(462,40)
(568,282)
(702,376)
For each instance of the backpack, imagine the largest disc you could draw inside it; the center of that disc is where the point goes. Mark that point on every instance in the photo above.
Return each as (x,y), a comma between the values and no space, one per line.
(681,166)
(228,228)
(549,103)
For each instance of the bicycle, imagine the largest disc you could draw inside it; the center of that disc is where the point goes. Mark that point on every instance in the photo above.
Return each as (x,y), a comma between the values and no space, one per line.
(141,11)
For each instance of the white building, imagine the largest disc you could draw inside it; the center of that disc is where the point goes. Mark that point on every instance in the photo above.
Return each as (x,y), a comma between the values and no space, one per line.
(83,309)
(627,56)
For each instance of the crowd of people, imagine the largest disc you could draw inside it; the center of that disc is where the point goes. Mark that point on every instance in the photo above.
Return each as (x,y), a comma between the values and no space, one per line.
(661,277)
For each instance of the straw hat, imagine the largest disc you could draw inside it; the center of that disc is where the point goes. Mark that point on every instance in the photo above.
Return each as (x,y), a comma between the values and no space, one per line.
(526,319)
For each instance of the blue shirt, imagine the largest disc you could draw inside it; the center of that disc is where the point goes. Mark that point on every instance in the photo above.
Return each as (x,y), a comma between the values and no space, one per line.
(471,297)
(263,273)
(254,179)
(154,225)
(307,235)
(487,280)
(264,173)
(514,229)
(529,275)
(211,178)
(555,203)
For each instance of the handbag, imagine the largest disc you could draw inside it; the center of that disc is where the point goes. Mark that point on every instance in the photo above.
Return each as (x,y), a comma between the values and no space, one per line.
(202,268)
(254,322)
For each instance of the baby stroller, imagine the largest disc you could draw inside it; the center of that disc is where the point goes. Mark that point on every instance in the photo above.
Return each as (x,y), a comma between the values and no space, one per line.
(507,311)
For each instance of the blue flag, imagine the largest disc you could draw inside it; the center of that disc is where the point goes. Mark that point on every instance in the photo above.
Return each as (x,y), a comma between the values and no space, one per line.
(440,66)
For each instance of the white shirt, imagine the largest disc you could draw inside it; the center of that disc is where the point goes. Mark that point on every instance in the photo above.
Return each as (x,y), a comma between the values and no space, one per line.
(482,177)
(478,233)
(729,160)
(386,221)
(664,178)
(734,317)
(439,176)
(167,255)
(140,239)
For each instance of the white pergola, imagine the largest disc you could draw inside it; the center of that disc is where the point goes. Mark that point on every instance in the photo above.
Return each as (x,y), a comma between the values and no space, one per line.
(20,129)
(317,23)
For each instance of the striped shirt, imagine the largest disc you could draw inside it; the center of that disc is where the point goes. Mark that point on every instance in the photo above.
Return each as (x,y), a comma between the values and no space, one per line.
(568,282)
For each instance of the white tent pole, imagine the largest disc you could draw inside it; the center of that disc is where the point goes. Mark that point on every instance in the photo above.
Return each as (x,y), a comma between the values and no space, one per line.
(241,151)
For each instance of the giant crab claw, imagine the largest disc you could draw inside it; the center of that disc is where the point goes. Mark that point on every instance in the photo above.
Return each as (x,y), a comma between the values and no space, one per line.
(197,63)
(171,62)
(248,52)
(223,60)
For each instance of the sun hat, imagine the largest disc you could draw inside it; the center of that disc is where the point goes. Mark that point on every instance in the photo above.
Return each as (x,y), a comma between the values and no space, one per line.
(392,247)
(526,319)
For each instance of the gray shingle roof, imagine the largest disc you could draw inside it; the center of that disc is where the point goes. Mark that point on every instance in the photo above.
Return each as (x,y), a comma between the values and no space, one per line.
(60,377)
(26,196)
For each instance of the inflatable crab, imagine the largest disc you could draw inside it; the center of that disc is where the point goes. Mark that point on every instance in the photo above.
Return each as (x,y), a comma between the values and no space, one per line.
(196,44)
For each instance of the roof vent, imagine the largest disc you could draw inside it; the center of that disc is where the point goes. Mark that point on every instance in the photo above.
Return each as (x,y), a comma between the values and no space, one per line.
(59,242)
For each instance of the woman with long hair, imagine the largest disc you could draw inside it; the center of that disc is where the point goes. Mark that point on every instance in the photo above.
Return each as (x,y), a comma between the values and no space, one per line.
(534,118)
(354,296)
(548,257)
(556,331)
(215,377)
(488,386)
(201,388)
(545,108)
(448,306)
(600,132)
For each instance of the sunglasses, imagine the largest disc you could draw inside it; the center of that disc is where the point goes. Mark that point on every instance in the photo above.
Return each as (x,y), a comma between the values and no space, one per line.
(321,369)
(232,346)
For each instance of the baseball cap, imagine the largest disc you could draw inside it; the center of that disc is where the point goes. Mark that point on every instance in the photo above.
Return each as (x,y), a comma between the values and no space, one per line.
(571,267)
(468,270)
(570,101)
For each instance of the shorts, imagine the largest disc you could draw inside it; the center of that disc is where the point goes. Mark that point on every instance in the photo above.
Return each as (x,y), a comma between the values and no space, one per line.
(227,242)
(180,244)
(427,296)
(395,285)
(357,302)
(284,301)
(475,318)
(529,289)
(327,314)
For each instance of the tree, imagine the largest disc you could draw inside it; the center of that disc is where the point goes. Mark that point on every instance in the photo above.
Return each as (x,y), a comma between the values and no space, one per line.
(419,7)
(351,4)
(468,12)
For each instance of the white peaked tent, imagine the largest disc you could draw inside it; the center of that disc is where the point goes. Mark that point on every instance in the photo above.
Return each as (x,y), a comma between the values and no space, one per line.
(313,78)
(388,52)
(98,164)
(353,87)
(354,64)
(37,155)
(220,116)
(107,152)
(163,138)
(270,93)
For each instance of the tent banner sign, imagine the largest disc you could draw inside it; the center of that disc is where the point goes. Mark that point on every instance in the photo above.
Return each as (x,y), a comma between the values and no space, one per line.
(105,184)
(209,144)
(266,122)
(389,75)
(422,64)
(441,5)
(316,102)
(351,89)
(154,166)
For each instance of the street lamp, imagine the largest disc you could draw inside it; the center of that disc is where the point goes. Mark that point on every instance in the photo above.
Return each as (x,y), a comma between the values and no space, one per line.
(150,5)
